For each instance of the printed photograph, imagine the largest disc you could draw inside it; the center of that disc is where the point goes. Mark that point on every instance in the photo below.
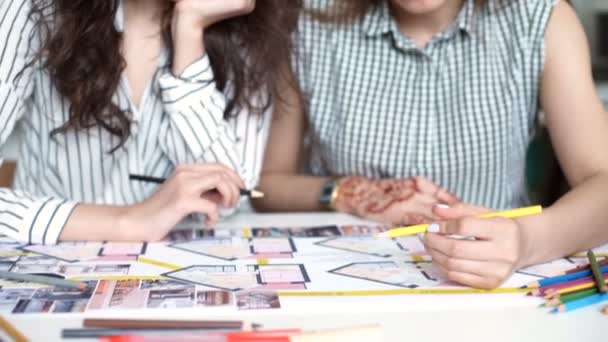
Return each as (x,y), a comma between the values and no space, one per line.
(171,298)
(33,306)
(257,300)
(214,298)
(70,306)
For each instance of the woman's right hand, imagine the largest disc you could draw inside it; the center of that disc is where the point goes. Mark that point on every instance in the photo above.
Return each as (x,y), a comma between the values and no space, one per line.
(191,189)
(392,201)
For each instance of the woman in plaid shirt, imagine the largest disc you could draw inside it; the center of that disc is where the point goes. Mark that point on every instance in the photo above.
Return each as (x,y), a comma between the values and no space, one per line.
(423,111)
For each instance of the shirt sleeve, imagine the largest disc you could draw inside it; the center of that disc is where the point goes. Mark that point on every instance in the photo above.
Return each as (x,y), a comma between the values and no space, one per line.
(195,129)
(22,216)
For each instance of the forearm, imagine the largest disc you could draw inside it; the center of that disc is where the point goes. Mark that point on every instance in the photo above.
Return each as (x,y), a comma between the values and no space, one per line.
(290,192)
(188,43)
(575,223)
(98,223)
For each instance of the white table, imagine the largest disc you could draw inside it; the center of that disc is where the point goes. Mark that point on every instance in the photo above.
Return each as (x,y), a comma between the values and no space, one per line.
(510,317)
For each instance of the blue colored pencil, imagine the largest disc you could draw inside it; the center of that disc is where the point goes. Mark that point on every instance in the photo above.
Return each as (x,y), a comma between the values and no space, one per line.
(565,277)
(581,303)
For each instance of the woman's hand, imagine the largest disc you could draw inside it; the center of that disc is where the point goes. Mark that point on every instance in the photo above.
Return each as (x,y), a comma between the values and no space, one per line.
(191,189)
(191,18)
(204,13)
(392,201)
(485,262)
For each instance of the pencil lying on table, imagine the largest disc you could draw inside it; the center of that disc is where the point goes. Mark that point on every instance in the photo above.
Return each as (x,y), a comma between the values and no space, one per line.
(565,277)
(422,228)
(34,278)
(559,300)
(586,267)
(581,303)
(546,290)
(158,180)
(161,324)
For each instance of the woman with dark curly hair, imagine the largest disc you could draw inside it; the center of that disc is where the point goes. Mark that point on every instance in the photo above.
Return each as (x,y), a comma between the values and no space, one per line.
(103,89)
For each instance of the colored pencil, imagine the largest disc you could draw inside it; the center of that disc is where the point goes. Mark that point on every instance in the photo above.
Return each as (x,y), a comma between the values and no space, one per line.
(422,228)
(102,332)
(158,263)
(552,288)
(558,300)
(581,303)
(572,289)
(564,277)
(597,273)
(11,331)
(158,180)
(33,278)
(398,292)
(160,324)
(601,263)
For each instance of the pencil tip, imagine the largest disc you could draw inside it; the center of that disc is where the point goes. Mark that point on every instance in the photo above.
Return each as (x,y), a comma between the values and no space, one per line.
(256,194)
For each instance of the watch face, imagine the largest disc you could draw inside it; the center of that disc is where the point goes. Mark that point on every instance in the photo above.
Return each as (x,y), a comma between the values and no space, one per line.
(326,192)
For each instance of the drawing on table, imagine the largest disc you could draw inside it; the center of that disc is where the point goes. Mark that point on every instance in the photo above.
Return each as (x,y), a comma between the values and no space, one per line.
(368,245)
(552,268)
(411,246)
(402,274)
(223,277)
(90,251)
(238,269)
(234,248)
(226,277)
(281,276)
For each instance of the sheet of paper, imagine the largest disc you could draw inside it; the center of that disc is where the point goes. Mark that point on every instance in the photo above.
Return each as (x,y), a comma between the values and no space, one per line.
(239,269)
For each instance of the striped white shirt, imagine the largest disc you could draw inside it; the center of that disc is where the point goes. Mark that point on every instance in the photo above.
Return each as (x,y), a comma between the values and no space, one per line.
(179,120)
(460,111)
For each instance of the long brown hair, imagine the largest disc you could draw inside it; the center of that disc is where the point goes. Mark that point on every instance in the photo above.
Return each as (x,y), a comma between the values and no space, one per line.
(81,51)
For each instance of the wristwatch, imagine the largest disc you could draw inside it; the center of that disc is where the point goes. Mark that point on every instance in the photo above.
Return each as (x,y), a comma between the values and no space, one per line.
(329,193)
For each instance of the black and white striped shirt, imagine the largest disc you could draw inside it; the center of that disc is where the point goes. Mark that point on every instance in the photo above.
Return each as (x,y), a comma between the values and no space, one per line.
(179,120)
(460,111)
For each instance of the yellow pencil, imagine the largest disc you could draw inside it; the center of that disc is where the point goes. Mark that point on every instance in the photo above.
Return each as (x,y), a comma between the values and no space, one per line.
(585,286)
(8,328)
(397,292)
(158,263)
(421,228)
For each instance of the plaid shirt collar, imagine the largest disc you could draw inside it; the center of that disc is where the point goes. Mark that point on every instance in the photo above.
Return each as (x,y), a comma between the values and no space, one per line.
(379,21)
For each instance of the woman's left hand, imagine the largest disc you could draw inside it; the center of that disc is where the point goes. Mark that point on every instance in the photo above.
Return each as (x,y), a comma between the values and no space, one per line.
(485,262)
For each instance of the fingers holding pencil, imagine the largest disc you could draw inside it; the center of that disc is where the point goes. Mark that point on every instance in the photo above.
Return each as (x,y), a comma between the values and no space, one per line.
(478,252)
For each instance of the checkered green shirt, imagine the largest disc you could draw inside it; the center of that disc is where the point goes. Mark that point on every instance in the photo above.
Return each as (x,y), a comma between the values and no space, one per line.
(461,111)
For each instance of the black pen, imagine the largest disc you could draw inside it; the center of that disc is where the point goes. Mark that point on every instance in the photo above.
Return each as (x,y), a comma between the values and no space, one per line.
(158,180)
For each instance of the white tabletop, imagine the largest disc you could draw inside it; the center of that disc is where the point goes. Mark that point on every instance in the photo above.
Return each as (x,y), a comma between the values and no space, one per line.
(501,317)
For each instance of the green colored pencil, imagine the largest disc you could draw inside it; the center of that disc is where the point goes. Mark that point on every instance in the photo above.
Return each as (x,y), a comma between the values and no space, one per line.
(577,295)
(569,298)
(597,274)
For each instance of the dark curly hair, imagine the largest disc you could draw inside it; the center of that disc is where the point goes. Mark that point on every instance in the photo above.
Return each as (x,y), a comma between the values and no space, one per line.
(81,51)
